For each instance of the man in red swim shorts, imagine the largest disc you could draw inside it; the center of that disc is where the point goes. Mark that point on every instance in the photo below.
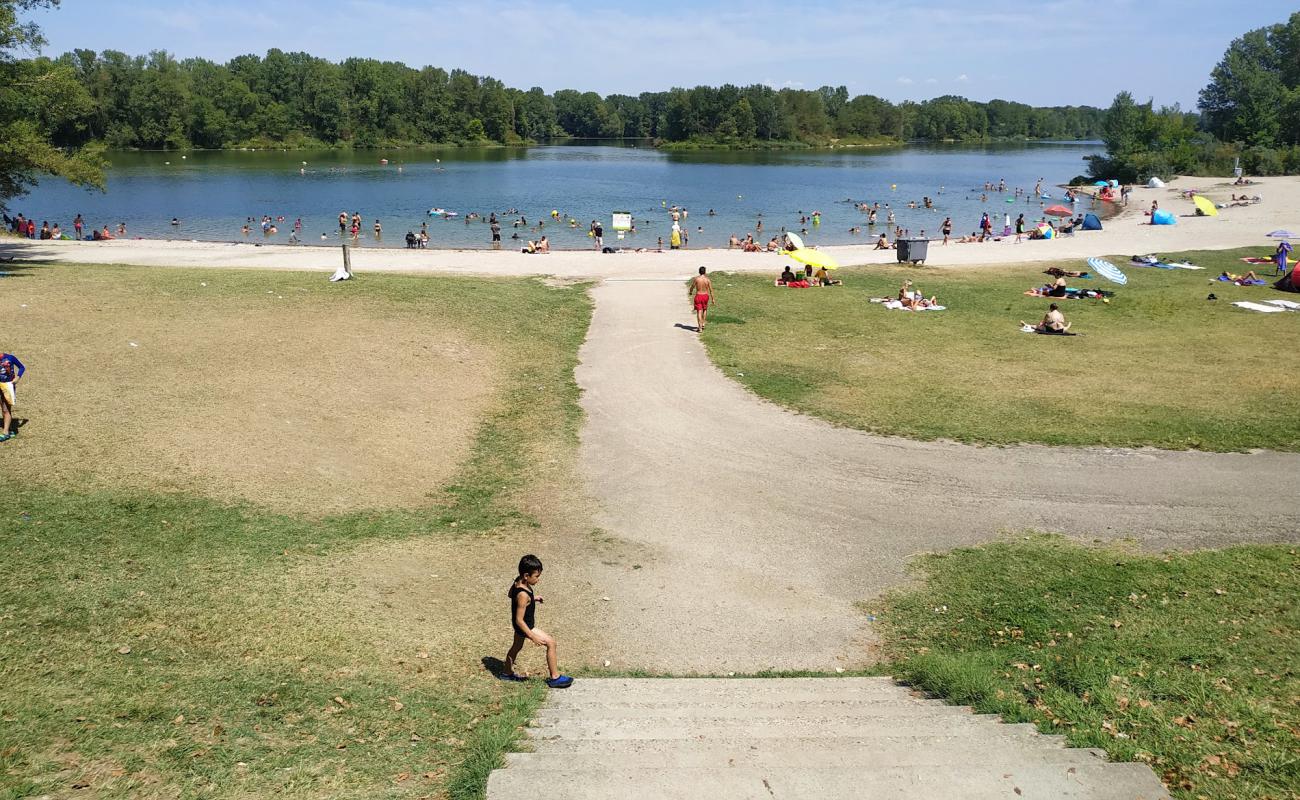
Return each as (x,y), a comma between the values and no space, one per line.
(701,291)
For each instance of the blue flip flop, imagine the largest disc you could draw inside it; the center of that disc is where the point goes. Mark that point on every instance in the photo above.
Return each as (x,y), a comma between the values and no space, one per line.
(560,682)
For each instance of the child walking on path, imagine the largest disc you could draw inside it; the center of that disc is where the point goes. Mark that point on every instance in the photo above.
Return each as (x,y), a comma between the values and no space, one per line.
(523,613)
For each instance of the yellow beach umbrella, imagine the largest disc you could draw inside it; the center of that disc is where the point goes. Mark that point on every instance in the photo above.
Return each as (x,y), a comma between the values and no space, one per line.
(813,258)
(1205,206)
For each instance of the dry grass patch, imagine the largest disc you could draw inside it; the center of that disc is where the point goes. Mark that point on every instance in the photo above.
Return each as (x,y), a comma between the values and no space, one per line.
(231,650)
(295,400)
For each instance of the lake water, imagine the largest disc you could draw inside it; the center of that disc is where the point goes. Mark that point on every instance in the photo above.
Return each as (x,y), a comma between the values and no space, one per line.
(213,193)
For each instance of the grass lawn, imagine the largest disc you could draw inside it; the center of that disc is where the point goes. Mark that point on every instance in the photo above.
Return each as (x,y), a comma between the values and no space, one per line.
(1187,662)
(228,638)
(1158,365)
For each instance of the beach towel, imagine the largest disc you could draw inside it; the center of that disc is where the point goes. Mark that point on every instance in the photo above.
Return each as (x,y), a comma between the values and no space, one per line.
(1260,307)
(1254,260)
(1290,305)
(1032,329)
(1225,279)
(896,305)
(1071,294)
(1179,265)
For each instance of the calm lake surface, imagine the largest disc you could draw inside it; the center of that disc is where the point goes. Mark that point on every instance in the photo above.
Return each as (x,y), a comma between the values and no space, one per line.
(213,193)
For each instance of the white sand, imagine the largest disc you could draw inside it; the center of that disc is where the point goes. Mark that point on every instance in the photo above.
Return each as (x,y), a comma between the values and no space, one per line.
(1126,234)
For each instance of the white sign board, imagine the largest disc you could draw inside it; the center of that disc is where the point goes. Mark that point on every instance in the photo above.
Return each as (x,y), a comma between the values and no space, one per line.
(622,221)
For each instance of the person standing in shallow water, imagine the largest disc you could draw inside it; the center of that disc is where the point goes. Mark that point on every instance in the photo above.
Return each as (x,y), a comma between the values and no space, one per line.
(701,292)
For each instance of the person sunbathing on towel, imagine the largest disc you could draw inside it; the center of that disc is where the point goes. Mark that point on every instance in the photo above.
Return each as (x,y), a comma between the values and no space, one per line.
(1249,276)
(1057,288)
(1053,322)
(1057,272)
(913,300)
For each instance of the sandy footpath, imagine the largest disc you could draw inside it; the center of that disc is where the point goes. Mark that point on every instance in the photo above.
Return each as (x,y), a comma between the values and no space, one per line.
(1127,234)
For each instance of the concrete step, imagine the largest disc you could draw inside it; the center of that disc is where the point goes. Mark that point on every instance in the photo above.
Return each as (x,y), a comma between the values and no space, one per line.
(778,755)
(628,689)
(865,710)
(799,727)
(1022,739)
(827,701)
(1032,781)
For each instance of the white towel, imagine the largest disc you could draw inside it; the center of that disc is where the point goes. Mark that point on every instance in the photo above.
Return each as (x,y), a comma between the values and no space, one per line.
(1259,307)
(895,305)
(1289,304)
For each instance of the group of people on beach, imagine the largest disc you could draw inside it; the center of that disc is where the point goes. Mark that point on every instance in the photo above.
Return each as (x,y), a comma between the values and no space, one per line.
(26,227)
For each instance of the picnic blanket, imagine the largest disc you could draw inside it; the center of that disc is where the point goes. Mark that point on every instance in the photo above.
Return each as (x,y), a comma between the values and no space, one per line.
(1239,282)
(1260,307)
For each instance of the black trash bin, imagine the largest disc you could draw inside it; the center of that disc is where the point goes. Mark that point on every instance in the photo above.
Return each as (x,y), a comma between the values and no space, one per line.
(914,250)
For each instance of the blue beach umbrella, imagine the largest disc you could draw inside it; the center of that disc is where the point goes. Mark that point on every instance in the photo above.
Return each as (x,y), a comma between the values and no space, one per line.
(1108,271)
(1101,183)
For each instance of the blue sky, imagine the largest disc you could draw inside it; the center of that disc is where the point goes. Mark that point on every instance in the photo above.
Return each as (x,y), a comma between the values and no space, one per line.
(1044,52)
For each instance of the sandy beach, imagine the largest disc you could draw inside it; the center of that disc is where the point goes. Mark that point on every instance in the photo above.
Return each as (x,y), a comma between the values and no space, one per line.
(1125,234)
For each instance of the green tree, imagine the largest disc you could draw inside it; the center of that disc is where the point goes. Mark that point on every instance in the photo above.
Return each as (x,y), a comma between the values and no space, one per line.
(1245,97)
(38,97)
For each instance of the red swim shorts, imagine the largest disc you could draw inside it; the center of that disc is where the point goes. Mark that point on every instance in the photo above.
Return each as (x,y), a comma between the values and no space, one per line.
(701,301)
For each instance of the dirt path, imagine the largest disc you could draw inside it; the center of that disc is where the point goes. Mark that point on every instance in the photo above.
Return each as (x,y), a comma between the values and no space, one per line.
(760,529)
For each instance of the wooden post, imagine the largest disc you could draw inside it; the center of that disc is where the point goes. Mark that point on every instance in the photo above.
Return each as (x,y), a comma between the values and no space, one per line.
(347,259)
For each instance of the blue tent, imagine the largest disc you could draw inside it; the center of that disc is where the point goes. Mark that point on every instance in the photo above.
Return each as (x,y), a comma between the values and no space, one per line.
(1091,223)
(1162,217)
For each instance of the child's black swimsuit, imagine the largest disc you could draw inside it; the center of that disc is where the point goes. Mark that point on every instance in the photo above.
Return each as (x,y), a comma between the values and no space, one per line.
(529,613)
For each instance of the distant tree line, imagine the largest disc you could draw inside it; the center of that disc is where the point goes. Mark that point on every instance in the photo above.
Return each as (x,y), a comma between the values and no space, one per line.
(1250,111)
(295,99)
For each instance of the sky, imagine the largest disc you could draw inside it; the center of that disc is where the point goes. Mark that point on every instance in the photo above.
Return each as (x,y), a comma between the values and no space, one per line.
(1042,52)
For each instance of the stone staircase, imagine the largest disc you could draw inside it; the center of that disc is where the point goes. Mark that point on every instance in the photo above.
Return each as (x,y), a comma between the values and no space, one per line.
(759,739)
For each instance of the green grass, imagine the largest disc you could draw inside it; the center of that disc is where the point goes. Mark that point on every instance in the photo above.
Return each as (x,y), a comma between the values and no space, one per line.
(1187,662)
(164,645)
(1158,366)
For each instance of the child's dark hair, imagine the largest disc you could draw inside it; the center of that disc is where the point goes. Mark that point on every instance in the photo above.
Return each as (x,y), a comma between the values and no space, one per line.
(529,564)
